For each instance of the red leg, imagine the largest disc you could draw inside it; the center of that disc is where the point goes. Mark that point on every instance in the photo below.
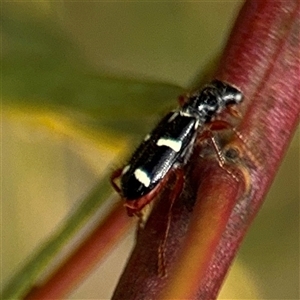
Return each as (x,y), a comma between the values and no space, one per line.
(221,158)
(207,134)
(135,208)
(182,99)
(178,186)
(221,125)
(141,221)
(233,111)
(215,126)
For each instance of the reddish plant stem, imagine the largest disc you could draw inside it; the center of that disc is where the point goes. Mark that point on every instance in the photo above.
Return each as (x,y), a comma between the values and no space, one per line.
(262,59)
(85,258)
(210,217)
(269,45)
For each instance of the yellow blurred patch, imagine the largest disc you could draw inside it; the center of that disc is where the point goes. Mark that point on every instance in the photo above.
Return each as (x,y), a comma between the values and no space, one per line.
(62,125)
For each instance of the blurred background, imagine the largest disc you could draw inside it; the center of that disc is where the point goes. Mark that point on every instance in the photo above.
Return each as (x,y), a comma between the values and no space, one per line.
(61,61)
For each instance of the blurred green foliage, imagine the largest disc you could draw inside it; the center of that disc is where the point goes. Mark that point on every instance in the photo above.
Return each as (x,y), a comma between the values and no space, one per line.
(42,68)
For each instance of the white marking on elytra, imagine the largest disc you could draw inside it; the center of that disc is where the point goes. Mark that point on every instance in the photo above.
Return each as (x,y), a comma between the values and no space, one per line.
(173,144)
(142,177)
(125,169)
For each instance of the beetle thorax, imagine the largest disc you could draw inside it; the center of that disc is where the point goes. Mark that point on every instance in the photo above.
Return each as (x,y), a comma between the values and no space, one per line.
(204,105)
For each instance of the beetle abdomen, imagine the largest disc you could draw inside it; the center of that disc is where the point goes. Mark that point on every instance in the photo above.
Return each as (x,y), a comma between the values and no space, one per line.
(157,154)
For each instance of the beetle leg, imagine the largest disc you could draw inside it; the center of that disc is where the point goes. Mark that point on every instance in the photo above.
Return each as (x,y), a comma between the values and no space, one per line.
(177,189)
(208,134)
(182,99)
(141,222)
(221,158)
(232,110)
(221,125)
(217,125)
(114,176)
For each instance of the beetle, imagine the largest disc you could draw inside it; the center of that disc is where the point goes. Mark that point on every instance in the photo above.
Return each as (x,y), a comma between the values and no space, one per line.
(169,146)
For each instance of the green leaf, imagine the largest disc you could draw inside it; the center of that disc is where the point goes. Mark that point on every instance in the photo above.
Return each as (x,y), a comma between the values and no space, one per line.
(44,70)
